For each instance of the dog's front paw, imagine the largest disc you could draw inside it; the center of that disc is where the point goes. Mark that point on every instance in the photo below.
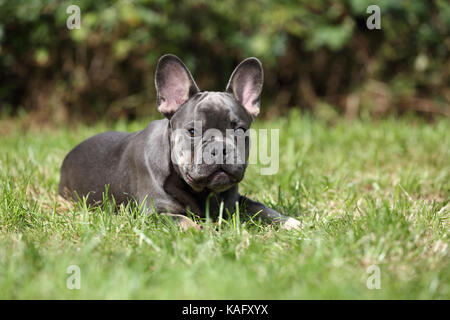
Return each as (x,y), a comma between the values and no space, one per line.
(182,221)
(186,224)
(291,224)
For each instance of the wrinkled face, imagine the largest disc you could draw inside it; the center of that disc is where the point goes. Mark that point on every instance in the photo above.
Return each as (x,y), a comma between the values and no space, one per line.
(210,141)
(209,133)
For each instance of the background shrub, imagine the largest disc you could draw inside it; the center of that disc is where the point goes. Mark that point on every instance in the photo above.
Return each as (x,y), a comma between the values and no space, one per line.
(318,55)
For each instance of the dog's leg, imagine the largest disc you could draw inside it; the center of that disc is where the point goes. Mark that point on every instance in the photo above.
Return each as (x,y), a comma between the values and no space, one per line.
(269,215)
(182,221)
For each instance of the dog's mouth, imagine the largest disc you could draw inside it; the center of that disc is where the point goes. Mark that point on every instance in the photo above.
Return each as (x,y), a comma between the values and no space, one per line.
(190,180)
(217,178)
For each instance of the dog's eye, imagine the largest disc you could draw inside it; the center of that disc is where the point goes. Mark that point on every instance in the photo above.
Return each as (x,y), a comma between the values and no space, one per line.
(240,130)
(191,132)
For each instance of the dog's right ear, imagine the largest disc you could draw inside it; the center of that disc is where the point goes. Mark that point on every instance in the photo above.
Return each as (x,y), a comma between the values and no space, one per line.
(246,83)
(174,84)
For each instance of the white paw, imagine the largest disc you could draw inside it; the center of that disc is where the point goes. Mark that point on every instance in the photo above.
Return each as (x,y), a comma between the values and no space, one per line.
(186,224)
(291,224)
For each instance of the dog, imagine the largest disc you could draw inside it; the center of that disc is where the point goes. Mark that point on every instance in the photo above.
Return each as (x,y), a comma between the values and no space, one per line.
(156,166)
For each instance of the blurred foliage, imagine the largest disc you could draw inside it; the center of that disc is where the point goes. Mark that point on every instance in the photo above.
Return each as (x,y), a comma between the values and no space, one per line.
(318,55)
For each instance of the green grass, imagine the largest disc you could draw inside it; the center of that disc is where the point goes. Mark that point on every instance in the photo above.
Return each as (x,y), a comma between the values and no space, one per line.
(369,193)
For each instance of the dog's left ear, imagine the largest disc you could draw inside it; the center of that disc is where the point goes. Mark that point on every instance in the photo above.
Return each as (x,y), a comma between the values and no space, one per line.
(174,84)
(246,84)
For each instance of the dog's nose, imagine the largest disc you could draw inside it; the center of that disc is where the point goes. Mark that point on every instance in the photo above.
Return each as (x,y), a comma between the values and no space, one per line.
(218,152)
(220,147)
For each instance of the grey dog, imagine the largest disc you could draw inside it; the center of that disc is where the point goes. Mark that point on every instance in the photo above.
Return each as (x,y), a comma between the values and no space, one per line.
(155,165)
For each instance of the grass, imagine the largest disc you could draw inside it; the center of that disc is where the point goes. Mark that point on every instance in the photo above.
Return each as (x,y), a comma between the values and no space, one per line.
(369,193)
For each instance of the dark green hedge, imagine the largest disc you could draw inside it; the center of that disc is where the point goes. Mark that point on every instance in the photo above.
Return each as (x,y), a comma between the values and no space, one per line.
(318,55)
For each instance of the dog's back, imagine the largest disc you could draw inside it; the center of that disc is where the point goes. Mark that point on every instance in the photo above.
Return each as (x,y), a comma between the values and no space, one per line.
(93,164)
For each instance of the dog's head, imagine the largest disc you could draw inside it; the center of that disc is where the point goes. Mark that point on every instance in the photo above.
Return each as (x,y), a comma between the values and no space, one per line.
(209,130)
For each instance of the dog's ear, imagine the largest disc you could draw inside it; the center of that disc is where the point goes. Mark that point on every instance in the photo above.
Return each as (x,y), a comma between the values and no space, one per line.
(174,84)
(246,84)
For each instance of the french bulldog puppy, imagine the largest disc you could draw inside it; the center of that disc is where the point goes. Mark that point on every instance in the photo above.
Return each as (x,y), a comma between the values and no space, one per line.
(197,154)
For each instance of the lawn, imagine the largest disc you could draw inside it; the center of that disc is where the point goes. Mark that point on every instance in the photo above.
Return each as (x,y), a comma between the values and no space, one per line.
(373,195)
